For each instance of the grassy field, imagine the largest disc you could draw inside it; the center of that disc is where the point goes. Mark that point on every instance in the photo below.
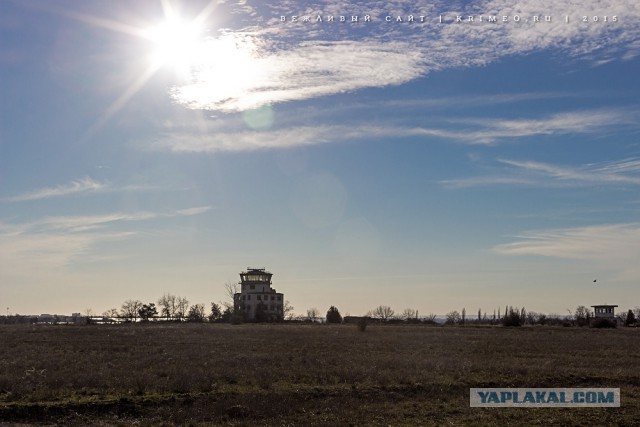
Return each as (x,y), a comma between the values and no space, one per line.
(210,374)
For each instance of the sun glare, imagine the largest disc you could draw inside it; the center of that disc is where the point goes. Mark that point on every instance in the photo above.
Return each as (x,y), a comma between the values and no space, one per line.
(229,68)
(176,43)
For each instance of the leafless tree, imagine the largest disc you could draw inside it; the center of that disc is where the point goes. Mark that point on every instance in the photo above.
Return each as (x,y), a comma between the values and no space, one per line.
(112,313)
(130,309)
(231,288)
(313,314)
(582,315)
(453,317)
(431,318)
(287,310)
(182,307)
(383,312)
(168,305)
(409,314)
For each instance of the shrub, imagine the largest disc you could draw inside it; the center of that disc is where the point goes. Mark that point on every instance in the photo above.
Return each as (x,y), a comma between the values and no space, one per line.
(512,317)
(631,318)
(362,324)
(236,318)
(333,315)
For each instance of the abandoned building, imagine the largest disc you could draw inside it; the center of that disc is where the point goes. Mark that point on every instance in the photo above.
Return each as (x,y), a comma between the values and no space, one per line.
(257,299)
(604,311)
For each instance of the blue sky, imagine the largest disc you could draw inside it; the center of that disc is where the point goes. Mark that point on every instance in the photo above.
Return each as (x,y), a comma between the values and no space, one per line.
(166,146)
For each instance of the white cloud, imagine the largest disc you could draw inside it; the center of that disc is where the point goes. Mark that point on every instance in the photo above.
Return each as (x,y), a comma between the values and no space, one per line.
(193,211)
(611,247)
(487,131)
(83,185)
(210,137)
(612,242)
(622,172)
(274,62)
(310,70)
(54,242)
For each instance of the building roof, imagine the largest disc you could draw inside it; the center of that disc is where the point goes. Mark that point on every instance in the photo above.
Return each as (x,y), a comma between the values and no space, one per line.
(604,305)
(256,270)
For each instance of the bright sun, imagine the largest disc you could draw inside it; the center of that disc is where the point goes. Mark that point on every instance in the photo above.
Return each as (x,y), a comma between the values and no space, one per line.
(176,43)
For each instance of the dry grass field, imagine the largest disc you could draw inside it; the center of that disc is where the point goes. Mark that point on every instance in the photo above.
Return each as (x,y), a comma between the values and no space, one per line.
(212,374)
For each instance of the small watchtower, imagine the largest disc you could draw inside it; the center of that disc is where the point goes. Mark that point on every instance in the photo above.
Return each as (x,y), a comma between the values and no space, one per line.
(257,299)
(604,311)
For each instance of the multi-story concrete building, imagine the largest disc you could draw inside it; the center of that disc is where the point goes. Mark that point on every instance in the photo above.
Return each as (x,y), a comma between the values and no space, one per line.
(257,299)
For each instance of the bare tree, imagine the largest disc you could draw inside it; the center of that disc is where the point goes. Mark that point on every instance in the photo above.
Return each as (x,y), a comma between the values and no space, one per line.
(130,309)
(409,313)
(287,310)
(313,314)
(167,302)
(453,317)
(382,312)
(582,315)
(231,288)
(112,313)
(182,306)
(431,318)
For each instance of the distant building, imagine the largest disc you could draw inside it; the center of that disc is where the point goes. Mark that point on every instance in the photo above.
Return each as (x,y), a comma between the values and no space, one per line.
(604,311)
(257,299)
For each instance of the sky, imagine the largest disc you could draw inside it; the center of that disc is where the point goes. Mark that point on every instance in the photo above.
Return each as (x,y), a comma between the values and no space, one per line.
(166,146)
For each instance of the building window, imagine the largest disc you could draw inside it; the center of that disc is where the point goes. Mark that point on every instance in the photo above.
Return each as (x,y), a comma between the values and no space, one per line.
(279,297)
(248,308)
(249,297)
(273,297)
(244,297)
(252,286)
(259,297)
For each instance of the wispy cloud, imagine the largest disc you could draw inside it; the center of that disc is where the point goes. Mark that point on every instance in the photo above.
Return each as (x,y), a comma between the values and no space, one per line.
(621,172)
(83,185)
(53,242)
(611,242)
(487,131)
(313,69)
(280,62)
(609,247)
(210,137)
